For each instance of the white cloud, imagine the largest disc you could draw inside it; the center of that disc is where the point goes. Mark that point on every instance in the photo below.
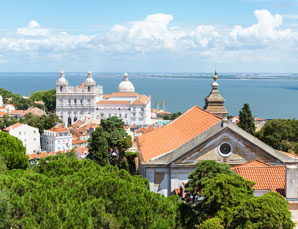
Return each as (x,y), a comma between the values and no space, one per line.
(157,34)
(33,29)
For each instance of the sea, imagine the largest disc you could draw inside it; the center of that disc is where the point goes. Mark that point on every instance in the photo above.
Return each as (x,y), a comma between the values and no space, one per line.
(269,95)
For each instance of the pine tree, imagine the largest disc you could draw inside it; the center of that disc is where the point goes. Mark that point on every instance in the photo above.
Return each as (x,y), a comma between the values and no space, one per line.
(246,120)
(98,147)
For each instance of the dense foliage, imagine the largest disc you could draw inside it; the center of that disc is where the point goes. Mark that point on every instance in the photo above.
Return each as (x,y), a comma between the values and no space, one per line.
(48,97)
(246,120)
(219,198)
(12,152)
(4,209)
(281,134)
(62,192)
(98,147)
(112,129)
(43,122)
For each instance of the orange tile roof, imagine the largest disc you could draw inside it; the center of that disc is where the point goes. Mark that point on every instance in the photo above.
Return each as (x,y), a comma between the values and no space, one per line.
(13,126)
(266,178)
(107,96)
(59,128)
(143,99)
(253,163)
(170,137)
(112,102)
(82,85)
(145,130)
(16,111)
(2,113)
(124,94)
(77,141)
(82,150)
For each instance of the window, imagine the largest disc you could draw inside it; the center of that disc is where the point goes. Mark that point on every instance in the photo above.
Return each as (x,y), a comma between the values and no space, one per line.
(20,133)
(34,139)
(75,101)
(69,101)
(225,149)
(88,89)
(34,131)
(61,88)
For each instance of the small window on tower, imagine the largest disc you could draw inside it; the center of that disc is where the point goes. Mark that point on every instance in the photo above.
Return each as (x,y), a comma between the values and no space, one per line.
(88,89)
(61,88)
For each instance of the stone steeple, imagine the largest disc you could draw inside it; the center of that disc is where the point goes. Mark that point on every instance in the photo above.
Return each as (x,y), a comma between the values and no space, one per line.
(214,102)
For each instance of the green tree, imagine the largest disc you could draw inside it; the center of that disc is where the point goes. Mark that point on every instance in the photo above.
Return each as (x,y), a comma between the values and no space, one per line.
(204,171)
(222,199)
(98,147)
(48,97)
(261,212)
(118,140)
(63,192)
(246,120)
(4,209)
(281,134)
(13,152)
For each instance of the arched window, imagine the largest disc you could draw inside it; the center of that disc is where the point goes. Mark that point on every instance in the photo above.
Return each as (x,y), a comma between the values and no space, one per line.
(88,89)
(61,88)
(69,121)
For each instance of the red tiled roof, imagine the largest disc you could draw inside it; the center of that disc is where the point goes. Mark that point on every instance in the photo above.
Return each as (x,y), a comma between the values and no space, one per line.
(82,150)
(82,85)
(146,130)
(16,111)
(143,99)
(253,163)
(124,94)
(2,113)
(107,96)
(13,126)
(266,178)
(59,128)
(77,141)
(170,137)
(112,102)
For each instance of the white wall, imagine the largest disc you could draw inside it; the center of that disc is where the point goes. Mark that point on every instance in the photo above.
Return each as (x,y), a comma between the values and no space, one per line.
(29,136)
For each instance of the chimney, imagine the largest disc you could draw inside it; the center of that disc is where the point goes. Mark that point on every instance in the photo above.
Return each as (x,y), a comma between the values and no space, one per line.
(291,181)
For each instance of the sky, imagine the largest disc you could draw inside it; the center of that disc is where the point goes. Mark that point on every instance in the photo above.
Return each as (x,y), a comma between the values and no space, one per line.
(149,36)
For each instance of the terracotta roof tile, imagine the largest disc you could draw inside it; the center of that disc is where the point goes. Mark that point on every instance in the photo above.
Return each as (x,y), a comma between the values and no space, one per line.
(77,141)
(2,113)
(143,99)
(253,163)
(82,85)
(124,94)
(170,137)
(59,128)
(112,102)
(266,178)
(13,126)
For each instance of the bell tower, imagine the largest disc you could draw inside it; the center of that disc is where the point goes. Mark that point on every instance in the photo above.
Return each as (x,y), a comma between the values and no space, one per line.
(214,102)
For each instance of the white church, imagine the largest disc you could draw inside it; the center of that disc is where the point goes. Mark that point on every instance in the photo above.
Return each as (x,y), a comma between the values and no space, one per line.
(88,101)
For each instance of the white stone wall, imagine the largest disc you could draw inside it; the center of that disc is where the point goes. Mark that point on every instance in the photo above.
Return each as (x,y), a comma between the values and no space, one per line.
(53,142)
(29,136)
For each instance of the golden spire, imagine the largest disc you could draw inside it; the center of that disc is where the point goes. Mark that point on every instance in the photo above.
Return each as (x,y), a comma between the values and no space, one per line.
(215,76)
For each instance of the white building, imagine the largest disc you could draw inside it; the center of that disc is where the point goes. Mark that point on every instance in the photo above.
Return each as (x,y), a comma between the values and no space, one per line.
(88,101)
(28,135)
(1,101)
(57,139)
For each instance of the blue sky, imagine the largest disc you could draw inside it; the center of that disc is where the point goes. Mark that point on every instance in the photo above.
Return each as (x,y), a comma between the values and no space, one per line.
(149,36)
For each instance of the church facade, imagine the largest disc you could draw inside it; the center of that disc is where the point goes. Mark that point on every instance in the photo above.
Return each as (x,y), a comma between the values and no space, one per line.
(88,101)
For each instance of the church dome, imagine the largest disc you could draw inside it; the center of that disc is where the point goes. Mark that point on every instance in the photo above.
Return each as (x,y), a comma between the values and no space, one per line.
(89,80)
(125,85)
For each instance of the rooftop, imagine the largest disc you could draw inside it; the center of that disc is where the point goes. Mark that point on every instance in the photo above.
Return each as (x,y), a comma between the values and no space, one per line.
(165,139)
